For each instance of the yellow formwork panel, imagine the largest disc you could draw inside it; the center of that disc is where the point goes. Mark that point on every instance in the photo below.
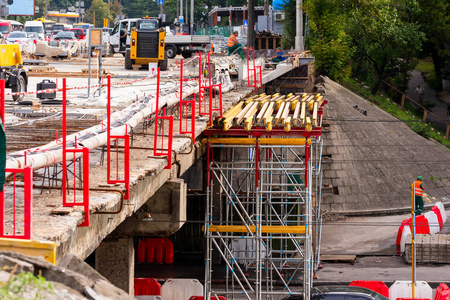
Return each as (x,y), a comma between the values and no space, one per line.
(251,141)
(264,229)
(33,248)
(10,55)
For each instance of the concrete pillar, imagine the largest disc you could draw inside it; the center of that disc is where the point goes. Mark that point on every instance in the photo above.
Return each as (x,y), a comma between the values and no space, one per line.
(114,259)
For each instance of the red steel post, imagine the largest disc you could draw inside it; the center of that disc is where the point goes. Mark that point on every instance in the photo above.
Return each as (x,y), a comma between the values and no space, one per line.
(28,202)
(2,101)
(108,130)
(85,152)
(307,155)
(210,92)
(64,146)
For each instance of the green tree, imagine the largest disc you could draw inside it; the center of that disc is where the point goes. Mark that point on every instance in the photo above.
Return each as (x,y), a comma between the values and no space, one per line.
(328,40)
(98,11)
(435,23)
(384,36)
(115,9)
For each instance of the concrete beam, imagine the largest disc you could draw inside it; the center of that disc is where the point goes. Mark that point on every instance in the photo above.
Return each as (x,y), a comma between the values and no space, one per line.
(167,208)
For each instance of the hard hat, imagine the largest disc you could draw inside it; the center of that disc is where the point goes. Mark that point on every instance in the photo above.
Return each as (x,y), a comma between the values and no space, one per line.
(419,177)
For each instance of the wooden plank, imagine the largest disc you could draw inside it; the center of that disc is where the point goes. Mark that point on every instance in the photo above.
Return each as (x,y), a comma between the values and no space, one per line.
(62,210)
(314,118)
(268,112)
(339,258)
(240,116)
(296,113)
(303,114)
(278,115)
(261,113)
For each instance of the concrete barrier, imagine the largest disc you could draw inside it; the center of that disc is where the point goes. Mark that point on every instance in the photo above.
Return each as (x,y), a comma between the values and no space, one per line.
(403,289)
(181,289)
(433,222)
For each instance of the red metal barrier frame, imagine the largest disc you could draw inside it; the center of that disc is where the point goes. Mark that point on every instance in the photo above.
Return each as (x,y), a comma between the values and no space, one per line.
(27,205)
(126,149)
(85,153)
(156,151)
(184,109)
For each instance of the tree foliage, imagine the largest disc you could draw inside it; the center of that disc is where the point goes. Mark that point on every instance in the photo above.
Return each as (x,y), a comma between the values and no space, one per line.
(329,41)
(98,11)
(385,36)
(379,39)
(435,23)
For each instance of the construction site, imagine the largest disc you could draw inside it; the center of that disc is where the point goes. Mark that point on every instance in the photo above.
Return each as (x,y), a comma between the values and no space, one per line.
(219,178)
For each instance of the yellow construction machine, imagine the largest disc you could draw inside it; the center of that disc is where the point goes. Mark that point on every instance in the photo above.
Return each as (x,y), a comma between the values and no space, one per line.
(146,45)
(12,69)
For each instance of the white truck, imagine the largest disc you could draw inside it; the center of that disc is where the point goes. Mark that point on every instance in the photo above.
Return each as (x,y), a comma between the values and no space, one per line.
(119,40)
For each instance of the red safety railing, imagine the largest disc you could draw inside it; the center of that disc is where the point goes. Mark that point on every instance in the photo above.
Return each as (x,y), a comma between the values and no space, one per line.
(254,72)
(187,110)
(125,162)
(12,224)
(216,100)
(163,143)
(84,180)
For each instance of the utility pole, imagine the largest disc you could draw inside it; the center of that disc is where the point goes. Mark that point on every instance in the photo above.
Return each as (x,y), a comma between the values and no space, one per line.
(266,7)
(192,17)
(251,23)
(181,15)
(186,20)
(299,28)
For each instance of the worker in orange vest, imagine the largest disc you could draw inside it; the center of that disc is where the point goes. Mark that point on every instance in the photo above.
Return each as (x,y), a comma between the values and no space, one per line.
(233,44)
(418,193)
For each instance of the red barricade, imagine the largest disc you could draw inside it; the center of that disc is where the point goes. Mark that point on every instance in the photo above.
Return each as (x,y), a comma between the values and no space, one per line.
(168,251)
(212,298)
(146,286)
(376,286)
(422,226)
(437,211)
(155,250)
(412,299)
(442,292)
(400,230)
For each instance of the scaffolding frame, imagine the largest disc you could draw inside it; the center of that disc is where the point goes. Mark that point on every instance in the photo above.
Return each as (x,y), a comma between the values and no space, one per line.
(262,220)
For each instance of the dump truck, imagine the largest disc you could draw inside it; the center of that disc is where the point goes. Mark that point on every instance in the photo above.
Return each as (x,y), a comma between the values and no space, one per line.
(12,69)
(146,45)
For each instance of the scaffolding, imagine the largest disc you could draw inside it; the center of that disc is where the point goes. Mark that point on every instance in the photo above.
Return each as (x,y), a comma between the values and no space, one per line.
(262,223)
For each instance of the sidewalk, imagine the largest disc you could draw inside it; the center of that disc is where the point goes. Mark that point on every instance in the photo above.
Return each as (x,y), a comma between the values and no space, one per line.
(440,109)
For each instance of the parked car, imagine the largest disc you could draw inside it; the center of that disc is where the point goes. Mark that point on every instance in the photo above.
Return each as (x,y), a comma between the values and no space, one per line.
(33,36)
(340,293)
(65,36)
(79,33)
(17,36)
(54,33)
(5,28)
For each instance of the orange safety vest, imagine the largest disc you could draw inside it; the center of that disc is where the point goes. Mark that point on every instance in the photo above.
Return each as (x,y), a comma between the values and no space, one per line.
(417,190)
(230,43)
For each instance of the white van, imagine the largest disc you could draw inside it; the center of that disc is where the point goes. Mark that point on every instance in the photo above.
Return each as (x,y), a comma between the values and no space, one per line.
(36,27)
(121,28)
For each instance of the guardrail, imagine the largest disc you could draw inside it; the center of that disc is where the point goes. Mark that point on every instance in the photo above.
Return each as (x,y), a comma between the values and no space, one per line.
(426,111)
